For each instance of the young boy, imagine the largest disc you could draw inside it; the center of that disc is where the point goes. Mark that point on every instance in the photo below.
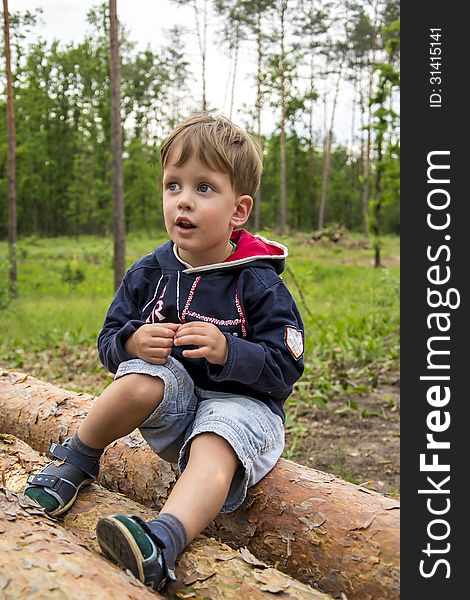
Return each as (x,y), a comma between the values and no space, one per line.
(205,341)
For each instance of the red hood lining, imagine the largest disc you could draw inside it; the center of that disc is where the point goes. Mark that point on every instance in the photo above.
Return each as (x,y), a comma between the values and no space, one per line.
(250,246)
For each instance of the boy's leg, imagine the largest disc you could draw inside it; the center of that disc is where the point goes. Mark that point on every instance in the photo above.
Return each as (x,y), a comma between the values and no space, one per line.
(122,407)
(201,490)
(195,500)
(215,476)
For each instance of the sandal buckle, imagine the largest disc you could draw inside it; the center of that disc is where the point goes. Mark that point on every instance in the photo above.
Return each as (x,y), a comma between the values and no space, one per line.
(50,481)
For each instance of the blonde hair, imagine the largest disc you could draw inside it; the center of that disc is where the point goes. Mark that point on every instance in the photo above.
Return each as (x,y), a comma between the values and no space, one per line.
(221,146)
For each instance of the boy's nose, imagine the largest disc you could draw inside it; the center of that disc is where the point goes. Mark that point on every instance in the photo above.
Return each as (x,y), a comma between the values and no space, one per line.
(185,201)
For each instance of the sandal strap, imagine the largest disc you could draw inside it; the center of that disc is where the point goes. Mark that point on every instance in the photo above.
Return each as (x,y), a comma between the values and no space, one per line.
(53,482)
(149,568)
(89,466)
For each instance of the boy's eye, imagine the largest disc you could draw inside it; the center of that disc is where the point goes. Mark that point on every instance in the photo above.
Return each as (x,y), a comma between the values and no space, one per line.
(172,186)
(205,187)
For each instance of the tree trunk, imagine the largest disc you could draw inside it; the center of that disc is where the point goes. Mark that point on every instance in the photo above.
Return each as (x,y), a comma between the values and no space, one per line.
(366,185)
(116,147)
(311,147)
(11,158)
(325,177)
(210,567)
(378,190)
(235,69)
(202,41)
(282,139)
(312,525)
(328,145)
(258,198)
(39,560)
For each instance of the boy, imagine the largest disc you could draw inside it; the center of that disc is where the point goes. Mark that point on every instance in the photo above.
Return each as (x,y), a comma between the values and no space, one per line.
(205,341)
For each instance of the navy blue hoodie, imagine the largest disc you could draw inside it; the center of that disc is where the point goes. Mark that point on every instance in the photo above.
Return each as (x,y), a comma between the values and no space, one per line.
(243,296)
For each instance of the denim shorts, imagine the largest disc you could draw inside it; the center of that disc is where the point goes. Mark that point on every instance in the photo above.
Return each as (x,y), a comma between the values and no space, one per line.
(255,433)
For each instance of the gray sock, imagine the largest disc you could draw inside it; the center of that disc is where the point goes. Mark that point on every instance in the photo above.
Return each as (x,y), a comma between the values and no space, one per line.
(76,444)
(172,533)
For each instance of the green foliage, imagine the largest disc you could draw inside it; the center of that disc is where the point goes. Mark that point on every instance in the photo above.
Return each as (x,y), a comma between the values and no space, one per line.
(352,322)
(73,274)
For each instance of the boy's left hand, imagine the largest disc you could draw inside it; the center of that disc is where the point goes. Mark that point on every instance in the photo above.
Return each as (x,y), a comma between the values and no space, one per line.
(211,341)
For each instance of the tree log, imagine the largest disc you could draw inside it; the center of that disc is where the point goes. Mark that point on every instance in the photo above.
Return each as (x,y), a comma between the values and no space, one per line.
(312,525)
(207,569)
(39,560)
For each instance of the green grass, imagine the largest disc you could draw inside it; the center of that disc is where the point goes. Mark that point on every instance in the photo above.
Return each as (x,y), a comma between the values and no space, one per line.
(350,309)
(65,286)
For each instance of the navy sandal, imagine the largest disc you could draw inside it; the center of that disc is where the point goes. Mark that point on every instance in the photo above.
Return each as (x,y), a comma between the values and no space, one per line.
(129,541)
(80,471)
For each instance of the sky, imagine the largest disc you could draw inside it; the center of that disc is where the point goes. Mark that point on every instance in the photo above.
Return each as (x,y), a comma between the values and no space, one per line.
(146,21)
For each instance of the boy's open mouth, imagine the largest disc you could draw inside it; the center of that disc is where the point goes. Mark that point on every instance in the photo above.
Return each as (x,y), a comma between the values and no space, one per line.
(185,224)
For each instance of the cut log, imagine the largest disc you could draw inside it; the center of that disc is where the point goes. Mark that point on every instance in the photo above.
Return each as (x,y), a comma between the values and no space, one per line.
(312,525)
(40,560)
(207,568)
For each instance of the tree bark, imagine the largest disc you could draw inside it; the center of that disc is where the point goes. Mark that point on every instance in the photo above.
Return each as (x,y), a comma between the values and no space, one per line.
(311,147)
(11,158)
(39,560)
(282,124)
(202,41)
(367,153)
(328,146)
(116,147)
(312,525)
(208,568)
(258,105)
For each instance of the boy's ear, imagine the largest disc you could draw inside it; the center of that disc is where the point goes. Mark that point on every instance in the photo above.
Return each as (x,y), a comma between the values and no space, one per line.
(242,210)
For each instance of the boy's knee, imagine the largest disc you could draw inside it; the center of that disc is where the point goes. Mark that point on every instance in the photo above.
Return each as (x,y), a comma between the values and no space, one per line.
(209,444)
(142,389)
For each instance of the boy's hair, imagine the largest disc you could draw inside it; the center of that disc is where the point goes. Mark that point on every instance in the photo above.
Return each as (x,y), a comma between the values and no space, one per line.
(221,146)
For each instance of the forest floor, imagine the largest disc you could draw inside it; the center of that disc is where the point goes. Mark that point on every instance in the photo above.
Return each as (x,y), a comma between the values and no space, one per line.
(360,445)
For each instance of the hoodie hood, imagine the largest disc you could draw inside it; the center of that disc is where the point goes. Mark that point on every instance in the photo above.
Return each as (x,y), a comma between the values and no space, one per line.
(250,248)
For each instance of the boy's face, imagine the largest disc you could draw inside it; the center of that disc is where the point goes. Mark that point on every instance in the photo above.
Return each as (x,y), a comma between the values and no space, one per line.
(201,209)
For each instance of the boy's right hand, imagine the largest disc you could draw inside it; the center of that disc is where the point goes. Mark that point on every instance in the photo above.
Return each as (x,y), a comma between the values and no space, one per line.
(152,342)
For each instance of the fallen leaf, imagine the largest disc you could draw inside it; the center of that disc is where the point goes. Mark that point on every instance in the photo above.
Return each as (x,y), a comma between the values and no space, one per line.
(226,556)
(10,496)
(273,588)
(363,521)
(10,514)
(190,579)
(316,521)
(365,490)
(6,438)
(252,560)
(26,502)
(271,581)
(4,581)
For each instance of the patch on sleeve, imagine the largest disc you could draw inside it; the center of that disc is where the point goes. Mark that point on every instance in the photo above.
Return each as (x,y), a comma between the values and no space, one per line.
(294,341)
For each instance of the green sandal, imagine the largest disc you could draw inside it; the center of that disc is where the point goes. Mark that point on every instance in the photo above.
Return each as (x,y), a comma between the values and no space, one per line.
(56,486)
(129,541)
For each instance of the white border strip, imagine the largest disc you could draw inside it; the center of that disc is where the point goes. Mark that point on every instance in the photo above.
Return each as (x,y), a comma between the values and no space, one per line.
(232,263)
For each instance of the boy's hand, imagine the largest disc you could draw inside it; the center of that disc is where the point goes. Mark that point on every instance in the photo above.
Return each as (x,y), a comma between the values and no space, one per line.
(152,342)
(211,341)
